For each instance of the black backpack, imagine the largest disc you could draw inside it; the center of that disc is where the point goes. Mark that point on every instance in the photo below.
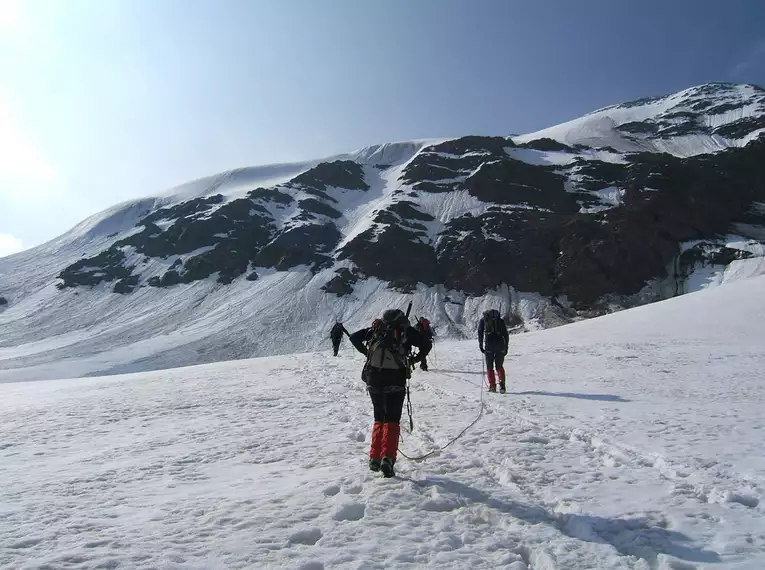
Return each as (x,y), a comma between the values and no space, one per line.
(386,344)
(491,323)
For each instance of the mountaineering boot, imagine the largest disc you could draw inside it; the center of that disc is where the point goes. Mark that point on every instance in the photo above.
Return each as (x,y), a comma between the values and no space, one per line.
(376,447)
(492,381)
(374,464)
(423,366)
(501,374)
(386,466)
(391,432)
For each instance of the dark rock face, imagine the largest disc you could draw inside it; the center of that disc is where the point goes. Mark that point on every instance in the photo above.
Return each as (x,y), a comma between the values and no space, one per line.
(340,173)
(126,285)
(303,245)
(212,237)
(552,248)
(108,265)
(316,207)
(342,283)
(515,247)
(546,144)
(514,182)
(643,128)
(740,128)
(695,198)
(3,301)
(441,167)
(414,261)
(468,216)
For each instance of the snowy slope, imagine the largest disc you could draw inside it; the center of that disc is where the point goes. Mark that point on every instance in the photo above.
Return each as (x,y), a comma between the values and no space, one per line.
(730,103)
(631,441)
(459,217)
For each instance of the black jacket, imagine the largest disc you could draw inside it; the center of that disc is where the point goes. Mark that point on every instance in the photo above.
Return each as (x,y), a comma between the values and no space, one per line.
(428,334)
(389,380)
(337,332)
(496,342)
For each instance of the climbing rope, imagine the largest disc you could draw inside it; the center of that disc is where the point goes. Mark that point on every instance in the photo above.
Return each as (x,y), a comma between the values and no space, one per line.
(451,441)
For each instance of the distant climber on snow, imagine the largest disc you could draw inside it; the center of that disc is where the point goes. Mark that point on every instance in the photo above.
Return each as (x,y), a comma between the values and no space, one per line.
(336,335)
(387,344)
(493,340)
(423,327)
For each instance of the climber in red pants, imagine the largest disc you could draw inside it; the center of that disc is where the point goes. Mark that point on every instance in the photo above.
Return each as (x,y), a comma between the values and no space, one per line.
(387,345)
(493,340)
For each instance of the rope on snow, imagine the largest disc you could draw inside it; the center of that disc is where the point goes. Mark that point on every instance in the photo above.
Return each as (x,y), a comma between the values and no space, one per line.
(459,435)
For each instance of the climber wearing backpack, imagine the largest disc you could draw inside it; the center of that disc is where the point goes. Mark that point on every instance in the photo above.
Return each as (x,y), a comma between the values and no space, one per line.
(423,327)
(336,335)
(387,344)
(493,340)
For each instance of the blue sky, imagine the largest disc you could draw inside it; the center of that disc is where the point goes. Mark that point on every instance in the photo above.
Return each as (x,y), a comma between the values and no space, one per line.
(106,100)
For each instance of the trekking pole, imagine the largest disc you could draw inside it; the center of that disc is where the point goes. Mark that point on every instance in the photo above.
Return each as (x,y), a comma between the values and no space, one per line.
(483,372)
(409,409)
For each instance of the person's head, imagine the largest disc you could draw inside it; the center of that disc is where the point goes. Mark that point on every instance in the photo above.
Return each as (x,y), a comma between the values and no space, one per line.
(395,317)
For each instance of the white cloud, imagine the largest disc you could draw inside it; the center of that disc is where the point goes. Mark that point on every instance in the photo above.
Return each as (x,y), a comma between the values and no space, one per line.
(10,245)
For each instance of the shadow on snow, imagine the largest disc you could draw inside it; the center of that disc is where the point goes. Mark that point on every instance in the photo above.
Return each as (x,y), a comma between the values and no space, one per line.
(600,397)
(637,536)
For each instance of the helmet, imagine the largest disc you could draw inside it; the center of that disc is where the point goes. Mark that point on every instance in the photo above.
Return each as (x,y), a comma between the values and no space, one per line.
(395,317)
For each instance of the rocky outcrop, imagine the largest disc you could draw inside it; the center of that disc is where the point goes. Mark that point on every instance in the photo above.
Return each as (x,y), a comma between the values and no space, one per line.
(211,236)
(342,283)
(547,144)
(668,201)
(340,174)
(394,254)
(468,215)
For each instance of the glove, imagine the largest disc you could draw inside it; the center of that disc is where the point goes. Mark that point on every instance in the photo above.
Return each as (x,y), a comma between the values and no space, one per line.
(480,347)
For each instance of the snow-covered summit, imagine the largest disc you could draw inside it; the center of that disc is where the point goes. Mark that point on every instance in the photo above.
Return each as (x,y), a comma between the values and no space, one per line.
(702,119)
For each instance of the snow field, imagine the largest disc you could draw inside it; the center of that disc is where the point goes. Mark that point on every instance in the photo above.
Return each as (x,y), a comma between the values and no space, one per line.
(629,441)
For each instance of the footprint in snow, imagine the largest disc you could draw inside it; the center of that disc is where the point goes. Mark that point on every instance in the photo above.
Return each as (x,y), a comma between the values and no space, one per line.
(359,436)
(308,537)
(350,512)
(534,439)
(312,565)
(744,499)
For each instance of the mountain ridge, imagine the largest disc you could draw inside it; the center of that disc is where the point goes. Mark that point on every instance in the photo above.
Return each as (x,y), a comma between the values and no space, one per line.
(549,227)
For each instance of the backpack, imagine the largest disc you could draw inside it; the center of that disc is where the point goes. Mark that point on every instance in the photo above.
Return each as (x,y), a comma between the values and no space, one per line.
(386,344)
(491,326)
